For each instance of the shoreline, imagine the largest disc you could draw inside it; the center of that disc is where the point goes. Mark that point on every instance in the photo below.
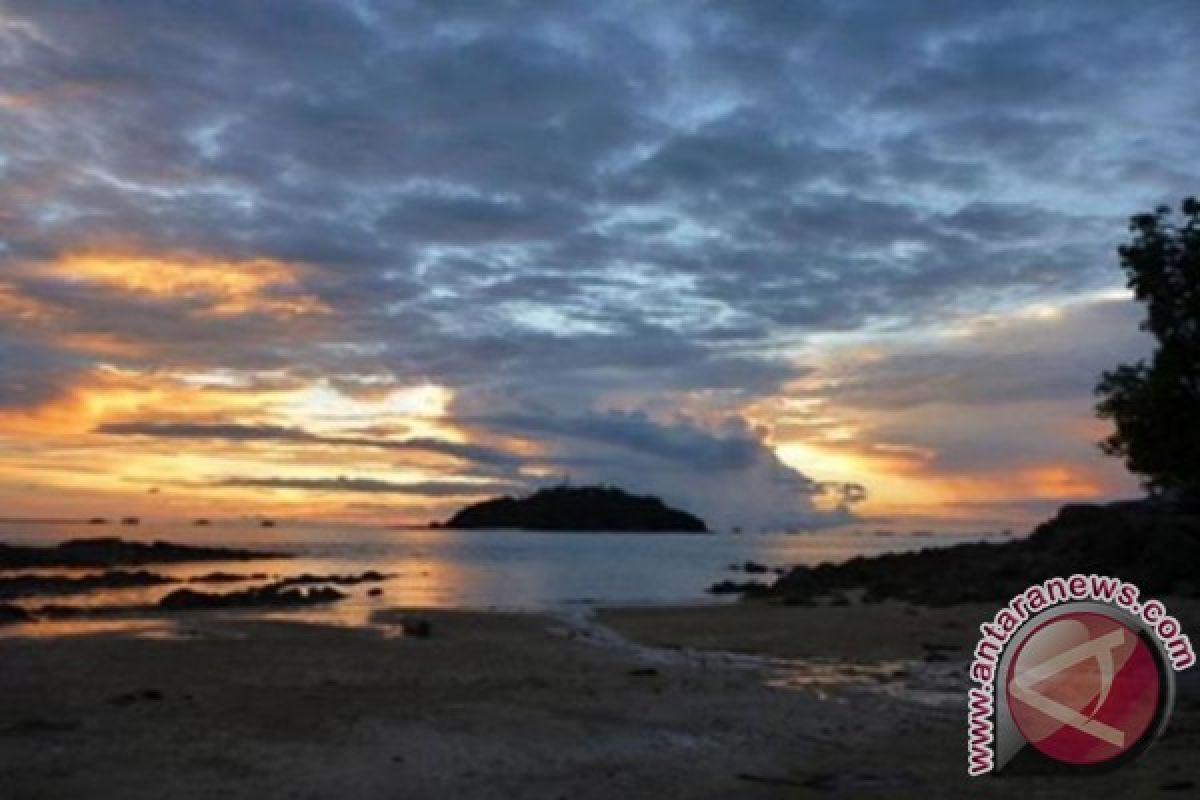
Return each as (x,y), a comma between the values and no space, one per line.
(745,700)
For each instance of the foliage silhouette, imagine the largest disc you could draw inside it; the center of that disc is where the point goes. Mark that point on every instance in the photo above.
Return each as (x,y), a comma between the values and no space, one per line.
(1156,405)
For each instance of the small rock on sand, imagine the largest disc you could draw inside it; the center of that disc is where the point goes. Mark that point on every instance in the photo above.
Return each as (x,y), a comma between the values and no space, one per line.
(418,627)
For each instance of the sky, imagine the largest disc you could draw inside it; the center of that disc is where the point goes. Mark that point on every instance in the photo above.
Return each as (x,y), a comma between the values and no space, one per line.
(784,264)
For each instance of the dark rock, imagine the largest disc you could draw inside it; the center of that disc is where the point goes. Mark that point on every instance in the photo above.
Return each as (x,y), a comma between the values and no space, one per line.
(273,595)
(800,582)
(58,611)
(10,614)
(754,568)
(110,551)
(585,508)
(1177,786)
(643,672)
(1157,550)
(838,599)
(226,577)
(418,627)
(375,592)
(734,587)
(32,585)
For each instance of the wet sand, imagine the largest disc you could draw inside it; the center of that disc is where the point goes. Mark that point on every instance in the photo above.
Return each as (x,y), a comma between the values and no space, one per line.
(858,632)
(522,706)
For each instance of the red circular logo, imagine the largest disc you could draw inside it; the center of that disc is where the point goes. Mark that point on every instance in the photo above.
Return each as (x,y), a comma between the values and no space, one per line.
(1084,688)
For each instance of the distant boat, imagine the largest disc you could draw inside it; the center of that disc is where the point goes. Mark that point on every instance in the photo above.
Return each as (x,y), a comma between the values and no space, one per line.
(201,521)
(130,521)
(267,523)
(97,521)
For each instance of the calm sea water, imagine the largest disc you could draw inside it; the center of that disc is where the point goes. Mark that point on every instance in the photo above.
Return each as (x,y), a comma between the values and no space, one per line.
(510,570)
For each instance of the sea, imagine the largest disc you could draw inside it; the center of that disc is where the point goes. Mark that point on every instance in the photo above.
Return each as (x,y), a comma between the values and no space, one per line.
(472,569)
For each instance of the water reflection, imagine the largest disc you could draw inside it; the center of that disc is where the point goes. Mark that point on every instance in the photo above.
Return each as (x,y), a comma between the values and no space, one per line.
(503,570)
(823,677)
(51,628)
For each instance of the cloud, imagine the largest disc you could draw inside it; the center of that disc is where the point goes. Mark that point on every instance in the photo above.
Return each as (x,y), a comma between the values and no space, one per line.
(992,411)
(567,213)
(370,486)
(731,476)
(681,442)
(219,288)
(239,432)
(1044,353)
(204,430)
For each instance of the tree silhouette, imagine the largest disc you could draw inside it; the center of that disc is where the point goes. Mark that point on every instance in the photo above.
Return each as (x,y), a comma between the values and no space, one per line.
(1156,406)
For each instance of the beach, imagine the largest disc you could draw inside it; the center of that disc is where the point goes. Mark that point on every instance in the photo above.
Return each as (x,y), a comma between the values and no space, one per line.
(704,702)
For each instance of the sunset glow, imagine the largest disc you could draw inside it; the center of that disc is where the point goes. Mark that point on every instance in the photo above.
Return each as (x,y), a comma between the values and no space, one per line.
(252,297)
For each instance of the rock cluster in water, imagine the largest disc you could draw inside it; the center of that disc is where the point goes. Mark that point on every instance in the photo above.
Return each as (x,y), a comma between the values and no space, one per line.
(273,595)
(15,586)
(287,592)
(282,593)
(1154,546)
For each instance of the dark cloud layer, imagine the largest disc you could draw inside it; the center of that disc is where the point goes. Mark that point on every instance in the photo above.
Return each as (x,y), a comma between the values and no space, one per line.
(238,432)
(371,486)
(560,210)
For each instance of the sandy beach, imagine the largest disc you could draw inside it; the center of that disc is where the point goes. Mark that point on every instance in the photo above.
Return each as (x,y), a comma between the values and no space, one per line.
(738,701)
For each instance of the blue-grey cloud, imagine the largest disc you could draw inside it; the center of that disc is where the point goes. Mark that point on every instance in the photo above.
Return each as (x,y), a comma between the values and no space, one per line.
(241,432)
(32,374)
(575,210)
(371,486)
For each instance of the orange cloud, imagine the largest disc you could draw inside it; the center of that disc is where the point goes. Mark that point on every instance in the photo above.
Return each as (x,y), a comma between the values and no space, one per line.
(65,467)
(227,287)
(1059,481)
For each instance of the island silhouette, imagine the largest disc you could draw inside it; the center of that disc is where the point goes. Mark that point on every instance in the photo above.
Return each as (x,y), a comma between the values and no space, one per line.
(578,508)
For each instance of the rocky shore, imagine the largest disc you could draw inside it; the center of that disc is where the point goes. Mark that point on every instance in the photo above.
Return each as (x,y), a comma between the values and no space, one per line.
(27,585)
(1157,548)
(273,595)
(744,701)
(284,593)
(294,591)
